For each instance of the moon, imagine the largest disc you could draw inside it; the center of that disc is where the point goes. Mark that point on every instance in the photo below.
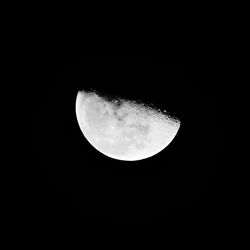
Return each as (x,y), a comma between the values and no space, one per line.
(124,130)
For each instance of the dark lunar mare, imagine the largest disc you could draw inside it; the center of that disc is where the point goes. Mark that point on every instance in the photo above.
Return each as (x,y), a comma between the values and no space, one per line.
(119,114)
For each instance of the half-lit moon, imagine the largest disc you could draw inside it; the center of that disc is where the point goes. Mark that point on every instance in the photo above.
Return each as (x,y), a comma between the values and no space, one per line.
(127,132)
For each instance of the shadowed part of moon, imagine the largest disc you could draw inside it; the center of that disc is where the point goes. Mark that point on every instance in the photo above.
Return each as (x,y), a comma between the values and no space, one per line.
(133,136)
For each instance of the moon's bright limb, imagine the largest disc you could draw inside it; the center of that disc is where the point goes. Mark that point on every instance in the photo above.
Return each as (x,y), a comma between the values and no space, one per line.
(127,132)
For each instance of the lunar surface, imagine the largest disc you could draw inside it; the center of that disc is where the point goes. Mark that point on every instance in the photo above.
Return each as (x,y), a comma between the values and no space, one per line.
(122,129)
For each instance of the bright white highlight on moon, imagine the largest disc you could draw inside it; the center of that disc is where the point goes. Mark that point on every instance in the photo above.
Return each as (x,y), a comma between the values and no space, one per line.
(128,131)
